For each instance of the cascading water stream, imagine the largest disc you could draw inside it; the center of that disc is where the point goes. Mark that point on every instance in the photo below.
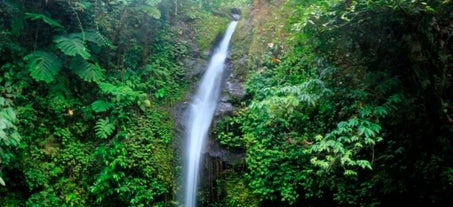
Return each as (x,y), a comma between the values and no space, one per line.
(201,113)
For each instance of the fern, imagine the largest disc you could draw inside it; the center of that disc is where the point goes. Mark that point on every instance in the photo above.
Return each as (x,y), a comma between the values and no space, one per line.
(86,70)
(43,66)
(124,95)
(150,11)
(121,90)
(108,88)
(104,128)
(93,36)
(152,2)
(44,18)
(101,106)
(72,46)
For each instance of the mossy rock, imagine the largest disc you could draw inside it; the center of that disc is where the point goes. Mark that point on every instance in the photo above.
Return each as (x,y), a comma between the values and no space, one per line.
(208,27)
(236,191)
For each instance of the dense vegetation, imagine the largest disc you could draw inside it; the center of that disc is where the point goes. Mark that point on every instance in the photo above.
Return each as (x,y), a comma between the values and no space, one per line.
(348,103)
(350,106)
(88,85)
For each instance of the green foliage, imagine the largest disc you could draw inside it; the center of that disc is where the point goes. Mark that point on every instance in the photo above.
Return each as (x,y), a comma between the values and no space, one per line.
(101,106)
(228,133)
(237,192)
(123,95)
(44,198)
(166,72)
(9,135)
(104,128)
(137,170)
(43,66)
(15,11)
(102,110)
(339,146)
(149,10)
(207,28)
(44,18)
(87,70)
(57,173)
(350,105)
(338,137)
(93,36)
(72,46)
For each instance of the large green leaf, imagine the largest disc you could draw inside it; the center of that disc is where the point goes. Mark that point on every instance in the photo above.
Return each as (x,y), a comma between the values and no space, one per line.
(93,36)
(43,66)
(86,70)
(72,46)
(44,18)
(101,106)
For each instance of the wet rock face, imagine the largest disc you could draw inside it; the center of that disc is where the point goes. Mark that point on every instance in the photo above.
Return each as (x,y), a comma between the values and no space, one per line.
(224,108)
(235,11)
(234,88)
(235,14)
(227,156)
(232,94)
(195,67)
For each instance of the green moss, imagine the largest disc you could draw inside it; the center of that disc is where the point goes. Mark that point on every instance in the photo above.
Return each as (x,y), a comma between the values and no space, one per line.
(207,27)
(237,192)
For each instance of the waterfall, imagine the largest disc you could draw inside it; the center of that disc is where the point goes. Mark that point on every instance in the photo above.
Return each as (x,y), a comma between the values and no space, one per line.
(201,113)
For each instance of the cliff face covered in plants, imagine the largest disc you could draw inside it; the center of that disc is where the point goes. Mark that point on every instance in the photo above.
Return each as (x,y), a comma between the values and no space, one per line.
(348,103)
(345,103)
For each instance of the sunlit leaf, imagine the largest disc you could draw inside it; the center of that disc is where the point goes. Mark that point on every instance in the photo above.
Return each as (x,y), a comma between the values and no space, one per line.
(2,182)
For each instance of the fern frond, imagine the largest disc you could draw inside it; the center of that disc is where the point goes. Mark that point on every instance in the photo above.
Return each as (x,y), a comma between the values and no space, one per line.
(101,106)
(43,66)
(44,18)
(152,2)
(86,70)
(150,11)
(72,46)
(2,182)
(108,88)
(104,128)
(122,90)
(93,36)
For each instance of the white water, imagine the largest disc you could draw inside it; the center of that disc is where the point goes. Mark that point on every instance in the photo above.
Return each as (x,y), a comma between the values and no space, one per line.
(201,112)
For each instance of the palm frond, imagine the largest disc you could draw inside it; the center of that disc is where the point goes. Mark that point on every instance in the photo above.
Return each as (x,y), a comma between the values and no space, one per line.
(43,66)
(86,70)
(72,46)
